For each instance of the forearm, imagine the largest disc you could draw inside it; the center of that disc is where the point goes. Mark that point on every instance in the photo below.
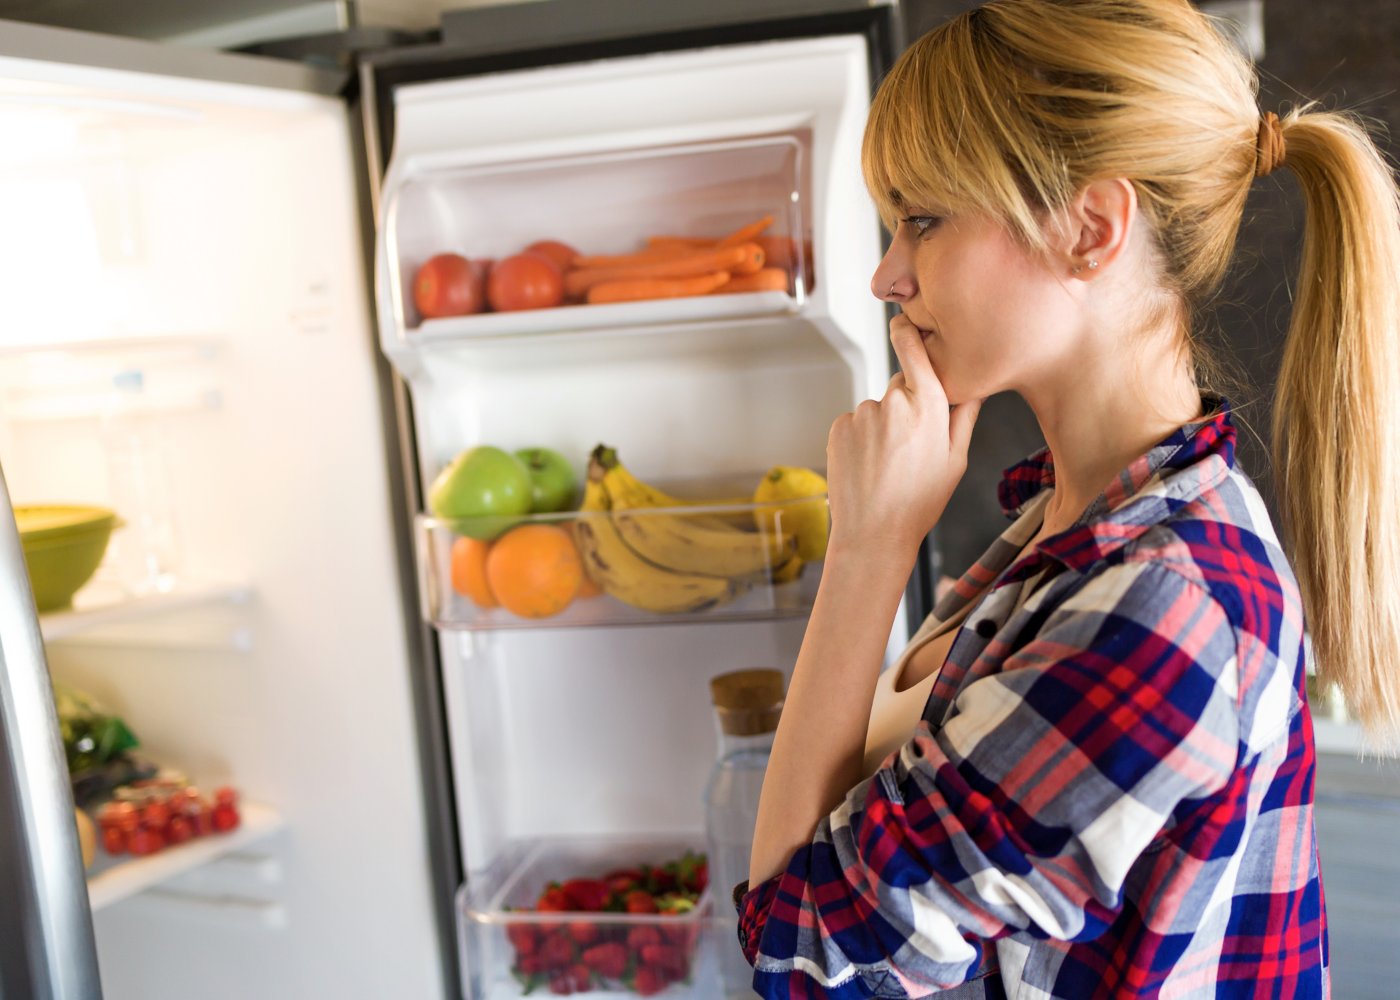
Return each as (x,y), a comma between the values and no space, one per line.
(820,742)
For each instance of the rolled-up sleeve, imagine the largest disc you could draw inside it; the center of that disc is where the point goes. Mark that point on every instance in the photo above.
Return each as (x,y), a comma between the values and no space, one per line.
(1023,813)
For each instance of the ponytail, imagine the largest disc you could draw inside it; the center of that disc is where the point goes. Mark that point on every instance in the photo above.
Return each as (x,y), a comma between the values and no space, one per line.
(1336,420)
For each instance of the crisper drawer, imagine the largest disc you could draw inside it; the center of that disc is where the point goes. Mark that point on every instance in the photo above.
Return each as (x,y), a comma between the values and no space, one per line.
(663,234)
(534,923)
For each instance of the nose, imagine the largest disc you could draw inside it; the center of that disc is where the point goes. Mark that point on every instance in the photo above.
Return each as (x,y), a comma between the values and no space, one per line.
(893,280)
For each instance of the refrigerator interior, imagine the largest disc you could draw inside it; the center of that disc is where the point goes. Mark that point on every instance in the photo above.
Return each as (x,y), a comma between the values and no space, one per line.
(576,729)
(205,234)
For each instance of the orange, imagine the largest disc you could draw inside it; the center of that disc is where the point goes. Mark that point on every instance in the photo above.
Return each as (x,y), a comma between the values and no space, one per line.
(534,570)
(469,572)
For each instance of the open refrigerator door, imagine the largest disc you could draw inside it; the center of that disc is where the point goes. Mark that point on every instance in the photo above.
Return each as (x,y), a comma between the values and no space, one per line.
(188,343)
(579,726)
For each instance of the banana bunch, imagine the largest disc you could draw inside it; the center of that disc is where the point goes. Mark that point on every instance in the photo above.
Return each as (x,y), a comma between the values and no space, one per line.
(669,563)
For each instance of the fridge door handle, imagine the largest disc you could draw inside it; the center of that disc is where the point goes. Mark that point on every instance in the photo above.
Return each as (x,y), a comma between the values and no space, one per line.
(47,951)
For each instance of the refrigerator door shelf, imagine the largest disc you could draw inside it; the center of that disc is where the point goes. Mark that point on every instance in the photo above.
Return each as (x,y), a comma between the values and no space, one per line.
(641,566)
(615,203)
(507,943)
(548,322)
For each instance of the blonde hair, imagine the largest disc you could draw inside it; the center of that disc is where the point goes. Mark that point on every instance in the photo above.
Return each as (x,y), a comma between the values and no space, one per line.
(1010,109)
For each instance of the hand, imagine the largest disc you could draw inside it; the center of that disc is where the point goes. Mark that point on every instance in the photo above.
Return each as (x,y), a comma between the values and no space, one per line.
(892,464)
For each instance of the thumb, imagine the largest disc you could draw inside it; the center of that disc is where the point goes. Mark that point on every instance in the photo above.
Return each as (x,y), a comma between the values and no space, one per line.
(960,425)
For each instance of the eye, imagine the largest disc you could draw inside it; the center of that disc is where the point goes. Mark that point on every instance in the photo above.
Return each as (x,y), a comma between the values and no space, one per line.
(922,224)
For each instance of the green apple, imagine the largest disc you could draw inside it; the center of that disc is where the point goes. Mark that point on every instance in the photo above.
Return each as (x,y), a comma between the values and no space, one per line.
(485,484)
(553,485)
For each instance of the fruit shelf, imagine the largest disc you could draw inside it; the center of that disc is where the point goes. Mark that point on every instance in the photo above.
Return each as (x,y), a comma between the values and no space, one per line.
(115,878)
(513,949)
(647,565)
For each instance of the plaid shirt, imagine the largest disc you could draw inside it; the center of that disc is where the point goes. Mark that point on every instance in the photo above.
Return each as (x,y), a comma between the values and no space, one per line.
(1110,791)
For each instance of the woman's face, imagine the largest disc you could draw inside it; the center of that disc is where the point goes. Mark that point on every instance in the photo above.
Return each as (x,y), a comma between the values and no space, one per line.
(993,313)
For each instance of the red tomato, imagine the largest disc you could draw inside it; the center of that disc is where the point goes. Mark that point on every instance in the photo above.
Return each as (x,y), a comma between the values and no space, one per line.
(225,796)
(225,818)
(204,821)
(156,815)
(561,253)
(145,841)
(179,830)
(447,285)
(525,281)
(113,840)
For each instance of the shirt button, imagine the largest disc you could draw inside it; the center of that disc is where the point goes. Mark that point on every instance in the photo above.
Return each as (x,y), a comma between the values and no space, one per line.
(986,628)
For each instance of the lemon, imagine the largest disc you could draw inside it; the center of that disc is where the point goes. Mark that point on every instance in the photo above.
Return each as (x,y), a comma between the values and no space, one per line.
(809,520)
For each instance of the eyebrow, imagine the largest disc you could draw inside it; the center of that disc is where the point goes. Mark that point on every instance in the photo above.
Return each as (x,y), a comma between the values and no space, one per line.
(896,198)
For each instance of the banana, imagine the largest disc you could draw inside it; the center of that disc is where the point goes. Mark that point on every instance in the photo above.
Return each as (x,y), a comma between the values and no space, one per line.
(648,495)
(625,575)
(682,542)
(788,571)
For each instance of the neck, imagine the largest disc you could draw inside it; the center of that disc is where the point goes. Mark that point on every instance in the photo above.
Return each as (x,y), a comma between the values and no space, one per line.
(1096,422)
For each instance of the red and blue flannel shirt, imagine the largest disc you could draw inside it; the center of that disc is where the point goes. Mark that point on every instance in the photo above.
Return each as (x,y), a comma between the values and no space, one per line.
(1110,791)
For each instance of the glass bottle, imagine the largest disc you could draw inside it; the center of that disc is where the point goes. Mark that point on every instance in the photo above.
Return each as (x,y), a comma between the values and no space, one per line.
(146,551)
(747,706)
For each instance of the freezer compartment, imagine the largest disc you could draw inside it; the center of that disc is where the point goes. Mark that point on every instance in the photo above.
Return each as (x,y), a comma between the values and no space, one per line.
(640,565)
(513,948)
(649,223)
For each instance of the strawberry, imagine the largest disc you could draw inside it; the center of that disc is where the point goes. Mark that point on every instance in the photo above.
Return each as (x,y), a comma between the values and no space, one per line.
(640,937)
(554,900)
(523,937)
(587,894)
(581,977)
(557,952)
(584,932)
(608,960)
(697,877)
(648,981)
(666,958)
(639,901)
(561,983)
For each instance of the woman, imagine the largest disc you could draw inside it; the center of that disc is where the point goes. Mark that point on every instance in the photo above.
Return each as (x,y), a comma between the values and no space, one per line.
(1091,772)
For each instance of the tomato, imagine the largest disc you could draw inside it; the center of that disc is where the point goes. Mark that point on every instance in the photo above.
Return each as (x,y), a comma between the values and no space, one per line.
(525,281)
(156,815)
(145,841)
(225,818)
(113,840)
(561,253)
(179,830)
(225,796)
(448,285)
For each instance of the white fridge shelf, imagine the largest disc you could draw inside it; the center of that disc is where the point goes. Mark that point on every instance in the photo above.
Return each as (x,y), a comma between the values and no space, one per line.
(98,607)
(119,878)
(655,312)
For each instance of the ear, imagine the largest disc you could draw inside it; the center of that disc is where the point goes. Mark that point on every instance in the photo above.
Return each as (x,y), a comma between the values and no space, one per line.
(1100,219)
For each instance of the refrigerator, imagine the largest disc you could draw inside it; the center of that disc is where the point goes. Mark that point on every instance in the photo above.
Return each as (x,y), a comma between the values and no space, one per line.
(220,250)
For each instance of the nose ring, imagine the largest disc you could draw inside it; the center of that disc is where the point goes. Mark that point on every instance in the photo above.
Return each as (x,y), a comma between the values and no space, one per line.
(890,293)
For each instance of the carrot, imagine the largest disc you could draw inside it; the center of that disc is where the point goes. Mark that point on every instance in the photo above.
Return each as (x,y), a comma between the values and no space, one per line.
(647,256)
(744,259)
(768,279)
(693,242)
(633,289)
(746,234)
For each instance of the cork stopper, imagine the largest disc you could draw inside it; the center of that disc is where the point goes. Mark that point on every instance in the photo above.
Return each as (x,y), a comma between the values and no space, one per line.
(748,702)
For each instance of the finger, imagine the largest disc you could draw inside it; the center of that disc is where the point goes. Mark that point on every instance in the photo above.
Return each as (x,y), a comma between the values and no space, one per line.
(913,360)
(960,424)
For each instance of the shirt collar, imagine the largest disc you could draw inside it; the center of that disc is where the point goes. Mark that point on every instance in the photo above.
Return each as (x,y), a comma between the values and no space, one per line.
(1173,472)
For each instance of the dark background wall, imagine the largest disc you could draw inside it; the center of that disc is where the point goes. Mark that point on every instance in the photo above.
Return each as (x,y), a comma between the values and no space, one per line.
(1344,55)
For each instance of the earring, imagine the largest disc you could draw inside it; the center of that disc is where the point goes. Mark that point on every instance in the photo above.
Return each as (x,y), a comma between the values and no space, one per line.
(1093,266)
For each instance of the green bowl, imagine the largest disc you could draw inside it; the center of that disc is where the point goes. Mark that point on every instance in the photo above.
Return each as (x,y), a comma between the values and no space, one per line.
(63,546)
